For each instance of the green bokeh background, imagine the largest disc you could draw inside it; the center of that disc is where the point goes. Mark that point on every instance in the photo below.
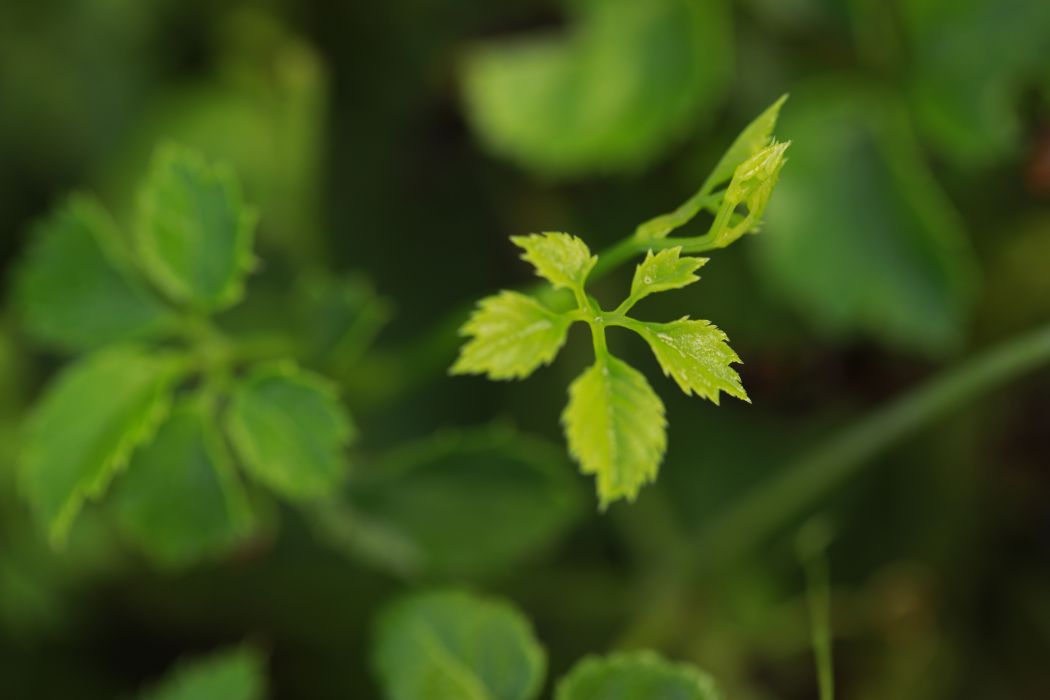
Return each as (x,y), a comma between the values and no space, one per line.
(400,143)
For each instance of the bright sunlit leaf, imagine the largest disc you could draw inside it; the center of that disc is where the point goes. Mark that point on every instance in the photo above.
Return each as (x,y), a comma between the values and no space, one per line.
(510,336)
(616,429)
(696,354)
(752,186)
(564,260)
(664,271)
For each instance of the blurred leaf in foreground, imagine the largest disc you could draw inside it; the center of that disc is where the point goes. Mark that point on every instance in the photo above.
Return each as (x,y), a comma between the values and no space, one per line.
(238,674)
(635,676)
(457,646)
(181,499)
(85,428)
(625,80)
(74,290)
(504,493)
(862,240)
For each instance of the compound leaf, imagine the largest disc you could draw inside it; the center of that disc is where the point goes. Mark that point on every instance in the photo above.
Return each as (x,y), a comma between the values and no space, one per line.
(696,354)
(194,235)
(663,271)
(562,259)
(635,676)
(71,290)
(510,336)
(289,429)
(180,500)
(237,674)
(85,428)
(755,137)
(615,427)
(450,645)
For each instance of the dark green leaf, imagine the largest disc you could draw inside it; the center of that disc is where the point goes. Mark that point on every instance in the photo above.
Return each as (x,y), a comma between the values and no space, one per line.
(239,674)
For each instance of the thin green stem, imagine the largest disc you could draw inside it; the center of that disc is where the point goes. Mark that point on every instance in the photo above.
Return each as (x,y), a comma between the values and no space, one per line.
(802,482)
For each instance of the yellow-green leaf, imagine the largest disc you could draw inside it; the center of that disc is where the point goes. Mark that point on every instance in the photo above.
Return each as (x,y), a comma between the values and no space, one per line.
(564,260)
(615,427)
(755,137)
(752,186)
(696,354)
(663,271)
(510,336)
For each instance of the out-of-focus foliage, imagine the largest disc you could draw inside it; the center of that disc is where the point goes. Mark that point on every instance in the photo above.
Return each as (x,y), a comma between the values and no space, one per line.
(862,238)
(389,149)
(611,91)
(238,674)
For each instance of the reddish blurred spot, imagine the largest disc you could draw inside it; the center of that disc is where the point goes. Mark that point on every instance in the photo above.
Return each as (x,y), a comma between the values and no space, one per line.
(1037,172)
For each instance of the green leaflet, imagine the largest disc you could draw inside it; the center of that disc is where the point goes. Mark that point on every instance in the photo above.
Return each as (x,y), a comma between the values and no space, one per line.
(510,336)
(85,428)
(237,674)
(664,271)
(194,234)
(625,81)
(563,260)
(72,290)
(696,354)
(752,185)
(615,426)
(507,494)
(449,645)
(181,500)
(755,137)
(289,429)
(635,676)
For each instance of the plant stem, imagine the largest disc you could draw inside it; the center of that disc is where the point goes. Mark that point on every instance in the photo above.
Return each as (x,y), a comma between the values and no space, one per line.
(802,482)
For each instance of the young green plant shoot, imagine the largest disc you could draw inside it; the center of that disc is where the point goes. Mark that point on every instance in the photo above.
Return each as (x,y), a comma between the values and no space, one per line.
(614,422)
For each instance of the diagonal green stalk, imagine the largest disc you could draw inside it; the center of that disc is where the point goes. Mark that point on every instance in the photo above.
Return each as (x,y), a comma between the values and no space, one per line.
(803,481)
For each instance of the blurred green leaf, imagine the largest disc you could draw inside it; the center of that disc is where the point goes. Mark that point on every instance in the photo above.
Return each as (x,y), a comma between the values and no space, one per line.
(457,646)
(470,502)
(624,81)
(615,427)
(511,335)
(862,240)
(85,428)
(974,61)
(194,234)
(290,429)
(238,674)
(73,288)
(696,354)
(180,500)
(635,676)
(338,318)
